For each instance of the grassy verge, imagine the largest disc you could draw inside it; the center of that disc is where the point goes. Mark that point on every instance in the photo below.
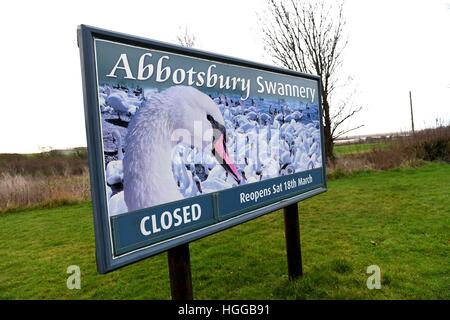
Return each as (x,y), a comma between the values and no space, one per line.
(344,149)
(397,219)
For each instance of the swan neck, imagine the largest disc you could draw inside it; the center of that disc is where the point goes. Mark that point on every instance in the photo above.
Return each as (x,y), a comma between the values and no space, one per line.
(148,176)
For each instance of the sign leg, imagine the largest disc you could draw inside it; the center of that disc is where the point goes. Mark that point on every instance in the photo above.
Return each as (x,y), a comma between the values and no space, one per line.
(180,273)
(292,234)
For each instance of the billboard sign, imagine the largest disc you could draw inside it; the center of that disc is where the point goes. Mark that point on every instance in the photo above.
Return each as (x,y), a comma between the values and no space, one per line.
(184,143)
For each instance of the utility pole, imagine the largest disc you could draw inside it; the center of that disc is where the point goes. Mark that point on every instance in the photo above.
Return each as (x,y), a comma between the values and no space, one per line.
(412,114)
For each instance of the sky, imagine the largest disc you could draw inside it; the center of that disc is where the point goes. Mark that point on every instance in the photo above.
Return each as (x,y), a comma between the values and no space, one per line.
(394,47)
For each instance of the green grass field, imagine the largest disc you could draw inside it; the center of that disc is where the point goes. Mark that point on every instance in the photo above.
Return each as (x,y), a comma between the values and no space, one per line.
(398,220)
(343,149)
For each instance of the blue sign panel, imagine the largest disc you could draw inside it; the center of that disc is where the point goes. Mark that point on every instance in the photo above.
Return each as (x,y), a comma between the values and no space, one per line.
(156,224)
(237,201)
(184,143)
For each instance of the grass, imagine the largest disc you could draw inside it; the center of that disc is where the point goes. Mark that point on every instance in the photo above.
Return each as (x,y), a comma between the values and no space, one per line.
(344,149)
(397,219)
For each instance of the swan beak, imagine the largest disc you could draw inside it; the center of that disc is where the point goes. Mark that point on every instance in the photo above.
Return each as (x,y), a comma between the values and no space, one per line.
(221,154)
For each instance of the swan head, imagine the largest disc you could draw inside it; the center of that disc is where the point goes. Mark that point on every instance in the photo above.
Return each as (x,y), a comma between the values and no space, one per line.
(201,117)
(116,136)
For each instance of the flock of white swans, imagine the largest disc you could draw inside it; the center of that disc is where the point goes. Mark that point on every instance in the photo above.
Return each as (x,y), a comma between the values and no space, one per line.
(263,139)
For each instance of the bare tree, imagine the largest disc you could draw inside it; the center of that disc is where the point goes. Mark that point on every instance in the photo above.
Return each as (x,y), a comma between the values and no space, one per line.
(310,38)
(185,38)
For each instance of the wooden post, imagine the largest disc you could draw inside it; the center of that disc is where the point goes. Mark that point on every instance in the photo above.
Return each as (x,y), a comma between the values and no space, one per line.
(180,273)
(292,234)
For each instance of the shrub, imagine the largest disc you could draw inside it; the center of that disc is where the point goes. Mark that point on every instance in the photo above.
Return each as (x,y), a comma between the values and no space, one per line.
(402,151)
(47,164)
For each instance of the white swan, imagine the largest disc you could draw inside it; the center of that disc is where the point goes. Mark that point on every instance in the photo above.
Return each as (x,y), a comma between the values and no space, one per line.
(270,169)
(179,169)
(148,177)
(114,169)
(108,192)
(193,187)
(116,204)
(212,185)
(119,101)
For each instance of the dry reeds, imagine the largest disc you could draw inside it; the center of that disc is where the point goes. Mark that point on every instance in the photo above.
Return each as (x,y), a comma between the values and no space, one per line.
(42,179)
(21,191)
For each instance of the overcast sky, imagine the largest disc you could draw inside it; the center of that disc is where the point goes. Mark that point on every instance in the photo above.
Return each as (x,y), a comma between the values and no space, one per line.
(394,47)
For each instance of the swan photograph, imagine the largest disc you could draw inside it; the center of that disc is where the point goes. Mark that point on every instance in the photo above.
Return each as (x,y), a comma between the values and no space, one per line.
(164,145)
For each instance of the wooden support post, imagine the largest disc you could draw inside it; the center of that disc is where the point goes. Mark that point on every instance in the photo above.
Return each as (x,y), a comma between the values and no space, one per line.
(293,248)
(180,273)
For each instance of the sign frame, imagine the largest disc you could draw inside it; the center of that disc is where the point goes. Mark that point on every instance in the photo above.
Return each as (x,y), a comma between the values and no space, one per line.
(106,261)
